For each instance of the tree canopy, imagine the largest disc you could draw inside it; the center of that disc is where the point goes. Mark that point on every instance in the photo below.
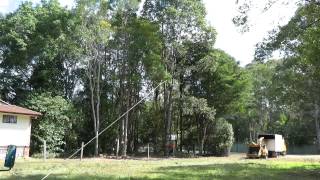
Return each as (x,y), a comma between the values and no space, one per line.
(84,67)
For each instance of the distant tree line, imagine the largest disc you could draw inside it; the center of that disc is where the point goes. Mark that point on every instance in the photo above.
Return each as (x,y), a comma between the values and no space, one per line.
(288,89)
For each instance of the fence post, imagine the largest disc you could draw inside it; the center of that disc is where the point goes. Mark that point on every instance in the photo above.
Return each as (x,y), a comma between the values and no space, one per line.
(81,154)
(148,151)
(44,150)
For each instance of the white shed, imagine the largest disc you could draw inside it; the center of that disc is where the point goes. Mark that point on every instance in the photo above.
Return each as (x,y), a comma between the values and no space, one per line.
(275,143)
(15,128)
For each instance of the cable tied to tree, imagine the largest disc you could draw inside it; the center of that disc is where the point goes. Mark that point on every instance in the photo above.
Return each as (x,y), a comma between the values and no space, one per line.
(110,125)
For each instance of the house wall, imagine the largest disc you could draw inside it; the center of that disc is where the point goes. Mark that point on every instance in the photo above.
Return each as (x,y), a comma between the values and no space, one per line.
(15,134)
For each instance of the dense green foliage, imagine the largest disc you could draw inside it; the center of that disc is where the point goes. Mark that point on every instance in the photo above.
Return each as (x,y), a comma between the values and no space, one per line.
(84,67)
(222,138)
(297,75)
(286,92)
(54,125)
(101,57)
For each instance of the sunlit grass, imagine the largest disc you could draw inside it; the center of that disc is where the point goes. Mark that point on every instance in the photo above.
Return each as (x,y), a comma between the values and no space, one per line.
(234,167)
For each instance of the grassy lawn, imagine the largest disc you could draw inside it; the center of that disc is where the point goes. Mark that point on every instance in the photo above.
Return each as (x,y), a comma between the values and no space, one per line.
(234,167)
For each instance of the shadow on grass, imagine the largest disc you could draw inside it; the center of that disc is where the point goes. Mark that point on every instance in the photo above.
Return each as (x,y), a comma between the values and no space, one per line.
(238,171)
(76,177)
(213,171)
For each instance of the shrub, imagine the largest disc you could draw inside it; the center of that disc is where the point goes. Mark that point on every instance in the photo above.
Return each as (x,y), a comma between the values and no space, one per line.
(222,138)
(54,123)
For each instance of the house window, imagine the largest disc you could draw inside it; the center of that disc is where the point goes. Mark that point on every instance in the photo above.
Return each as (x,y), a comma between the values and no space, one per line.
(9,119)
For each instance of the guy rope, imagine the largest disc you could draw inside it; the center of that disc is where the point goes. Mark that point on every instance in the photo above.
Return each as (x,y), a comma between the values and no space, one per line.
(110,125)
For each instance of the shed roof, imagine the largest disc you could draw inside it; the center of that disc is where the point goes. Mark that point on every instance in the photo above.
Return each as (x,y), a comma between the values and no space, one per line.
(8,108)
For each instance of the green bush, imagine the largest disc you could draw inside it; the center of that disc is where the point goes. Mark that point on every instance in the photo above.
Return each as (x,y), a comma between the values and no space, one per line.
(54,123)
(222,138)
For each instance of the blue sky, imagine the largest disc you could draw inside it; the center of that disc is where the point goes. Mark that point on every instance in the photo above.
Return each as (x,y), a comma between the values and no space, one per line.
(220,14)
(10,5)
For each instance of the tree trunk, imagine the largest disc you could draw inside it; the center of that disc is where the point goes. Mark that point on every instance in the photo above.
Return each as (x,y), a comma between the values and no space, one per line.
(125,146)
(317,126)
(125,72)
(166,129)
(92,73)
(170,111)
(168,118)
(136,133)
(181,114)
(250,132)
(123,121)
(122,131)
(198,132)
(203,138)
(117,148)
(98,109)
(96,148)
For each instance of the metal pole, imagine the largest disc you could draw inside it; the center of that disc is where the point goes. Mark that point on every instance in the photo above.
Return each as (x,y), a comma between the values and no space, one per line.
(81,153)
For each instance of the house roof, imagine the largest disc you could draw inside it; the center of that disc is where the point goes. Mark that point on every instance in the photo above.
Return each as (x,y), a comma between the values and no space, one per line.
(8,108)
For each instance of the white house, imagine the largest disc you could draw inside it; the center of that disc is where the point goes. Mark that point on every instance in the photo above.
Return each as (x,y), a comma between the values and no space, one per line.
(15,128)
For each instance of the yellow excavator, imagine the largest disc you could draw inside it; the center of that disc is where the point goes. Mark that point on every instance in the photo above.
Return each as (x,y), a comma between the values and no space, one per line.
(257,150)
